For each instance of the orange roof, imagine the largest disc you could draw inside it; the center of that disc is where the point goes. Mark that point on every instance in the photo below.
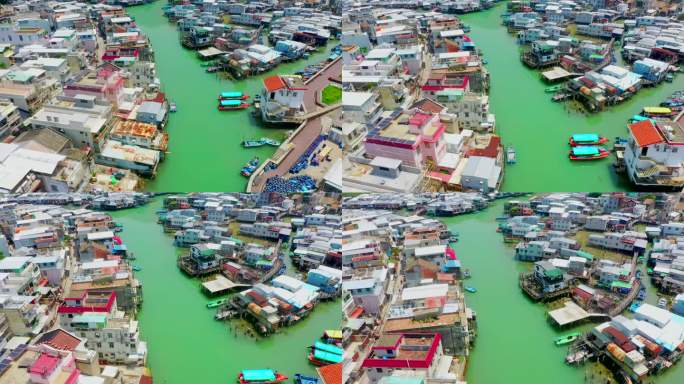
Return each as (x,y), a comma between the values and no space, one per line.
(331,374)
(273,83)
(645,133)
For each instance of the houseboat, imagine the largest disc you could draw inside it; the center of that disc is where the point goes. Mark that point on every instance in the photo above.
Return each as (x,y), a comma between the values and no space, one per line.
(230,105)
(587,139)
(586,152)
(260,376)
(233,96)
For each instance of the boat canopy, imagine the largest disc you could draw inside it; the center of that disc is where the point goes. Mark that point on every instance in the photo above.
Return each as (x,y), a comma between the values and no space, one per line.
(258,375)
(230,95)
(585,151)
(230,103)
(585,137)
(327,356)
(328,348)
(658,110)
(333,333)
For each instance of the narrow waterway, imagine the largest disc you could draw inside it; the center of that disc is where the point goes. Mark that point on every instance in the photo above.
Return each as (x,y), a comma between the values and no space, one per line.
(186,345)
(515,342)
(204,143)
(538,128)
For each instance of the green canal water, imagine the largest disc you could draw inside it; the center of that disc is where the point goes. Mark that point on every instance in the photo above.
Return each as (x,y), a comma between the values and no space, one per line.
(515,342)
(185,343)
(538,128)
(204,143)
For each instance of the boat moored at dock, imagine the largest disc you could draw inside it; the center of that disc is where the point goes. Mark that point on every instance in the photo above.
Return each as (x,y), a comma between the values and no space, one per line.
(215,303)
(231,104)
(587,139)
(586,152)
(567,339)
(233,96)
(260,376)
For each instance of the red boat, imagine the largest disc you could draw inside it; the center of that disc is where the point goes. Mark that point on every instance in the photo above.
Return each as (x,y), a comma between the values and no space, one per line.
(233,96)
(260,376)
(316,361)
(587,139)
(587,153)
(230,105)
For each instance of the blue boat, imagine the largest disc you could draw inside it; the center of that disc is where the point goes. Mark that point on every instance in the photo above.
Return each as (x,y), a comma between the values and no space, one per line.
(301,379)
(470,289)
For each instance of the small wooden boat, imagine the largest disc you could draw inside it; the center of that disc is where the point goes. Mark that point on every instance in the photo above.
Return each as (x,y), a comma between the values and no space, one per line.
(320,358)
(215,303)
(233,96)
(470,289)
(253,143)
(567,339)
(260,376)
(230,105)
(587,152)
(553,88)
(269,141)
(250,167)
(510,155)
(301,379)
(587,139)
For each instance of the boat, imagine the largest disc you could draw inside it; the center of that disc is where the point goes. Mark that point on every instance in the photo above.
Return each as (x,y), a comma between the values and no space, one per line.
(215,303)
(510,155)
(269,141)
(587,139)
(669,77)
(634,307)
(553,88)
(502,218)
(662,302)
(230,105)
(137,268)
(325,347)
(253,143)
(301,379)
(470,289)
(319,357)
(260,376)
(466,273)
(233,96)
(567,339)
(250,167)
(172,107)
(657,111)
(586,152)
(332,336)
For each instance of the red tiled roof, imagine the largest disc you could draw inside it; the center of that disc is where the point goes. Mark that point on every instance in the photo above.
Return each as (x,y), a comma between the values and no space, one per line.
(331,374)
(144,379)
(491,150)
(60,339)
(273,83)
(428,105)
(645,133)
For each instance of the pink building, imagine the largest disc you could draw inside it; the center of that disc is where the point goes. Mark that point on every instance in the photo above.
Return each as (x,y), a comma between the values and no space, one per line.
(413,138)
(53,367)
(105,83)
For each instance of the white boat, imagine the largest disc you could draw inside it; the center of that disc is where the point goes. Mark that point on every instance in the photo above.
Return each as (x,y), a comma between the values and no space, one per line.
(172,107)
(510,155)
